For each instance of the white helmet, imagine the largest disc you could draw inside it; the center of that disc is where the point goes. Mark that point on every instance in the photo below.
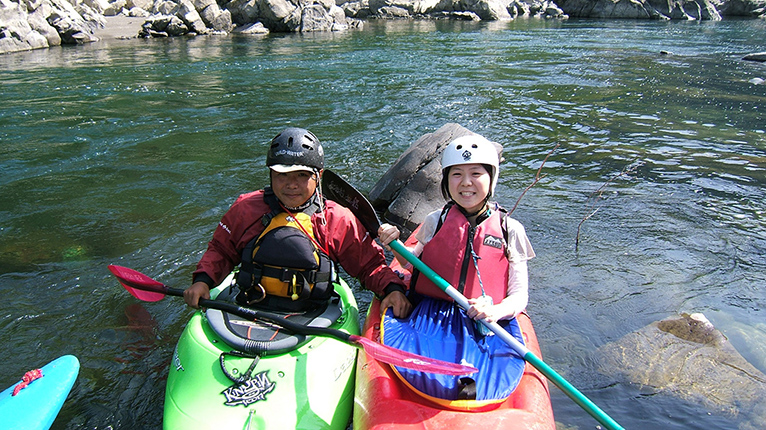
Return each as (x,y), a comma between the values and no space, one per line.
(471,149)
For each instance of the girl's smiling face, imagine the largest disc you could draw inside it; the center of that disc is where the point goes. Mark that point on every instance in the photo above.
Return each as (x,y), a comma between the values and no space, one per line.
(469,186)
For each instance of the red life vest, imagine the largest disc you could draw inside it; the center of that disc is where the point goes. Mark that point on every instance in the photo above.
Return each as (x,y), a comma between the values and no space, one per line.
(448,253)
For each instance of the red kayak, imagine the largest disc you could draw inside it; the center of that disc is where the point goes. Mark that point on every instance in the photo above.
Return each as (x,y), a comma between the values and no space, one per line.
(383,401)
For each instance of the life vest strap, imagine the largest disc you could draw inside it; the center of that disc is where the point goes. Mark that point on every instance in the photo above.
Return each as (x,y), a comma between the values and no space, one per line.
(285,274)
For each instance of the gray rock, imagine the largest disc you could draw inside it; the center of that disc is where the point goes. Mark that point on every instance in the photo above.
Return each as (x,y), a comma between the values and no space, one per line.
(191,17)
(488,10)
(633,9)
(352,9)
(642,9)
(393,12)
(216,19)
(316,18)
(23,35)
(138,12)
(758,56)
(339,20)
(244,12)
(115,7)
(688,358)
(746,8)
(41,25)
(176,27)
(97,5)
(279,15)
(164,26)
(202,4)
(165,7)
(256,28)
(146,5)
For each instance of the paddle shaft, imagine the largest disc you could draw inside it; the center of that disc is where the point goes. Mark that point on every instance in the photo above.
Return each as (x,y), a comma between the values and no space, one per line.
(266,316)
(528,355)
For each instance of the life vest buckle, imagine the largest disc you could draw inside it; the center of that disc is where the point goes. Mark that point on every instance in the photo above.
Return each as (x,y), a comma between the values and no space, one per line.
(287,275)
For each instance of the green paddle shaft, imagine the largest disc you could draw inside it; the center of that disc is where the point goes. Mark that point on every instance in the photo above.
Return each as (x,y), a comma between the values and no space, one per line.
(528,355)
(337,189)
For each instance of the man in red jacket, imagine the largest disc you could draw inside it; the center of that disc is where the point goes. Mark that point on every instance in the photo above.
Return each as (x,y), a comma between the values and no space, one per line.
(295,160)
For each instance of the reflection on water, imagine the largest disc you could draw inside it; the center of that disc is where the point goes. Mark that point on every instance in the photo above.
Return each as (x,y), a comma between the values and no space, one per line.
(129,152)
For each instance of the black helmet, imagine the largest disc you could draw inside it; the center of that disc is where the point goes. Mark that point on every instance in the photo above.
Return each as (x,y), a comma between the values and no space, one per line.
(295,149)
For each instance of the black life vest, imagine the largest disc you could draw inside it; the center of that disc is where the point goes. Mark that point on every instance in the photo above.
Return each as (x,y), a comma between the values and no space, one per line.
(283,268)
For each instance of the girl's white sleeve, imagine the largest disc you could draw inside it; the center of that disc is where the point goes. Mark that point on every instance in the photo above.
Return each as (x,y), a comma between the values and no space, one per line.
(427,231)
(517,295)
(519,251)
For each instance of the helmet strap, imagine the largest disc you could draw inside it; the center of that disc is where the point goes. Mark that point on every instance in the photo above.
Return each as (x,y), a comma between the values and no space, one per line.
(483,209)
(320,196)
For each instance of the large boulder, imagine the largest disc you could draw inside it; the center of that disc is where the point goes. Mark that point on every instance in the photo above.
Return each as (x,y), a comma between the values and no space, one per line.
(164,26)
(189,14)
(39,24)
(487,10)
(279,15)
(75,26)
(687,357)
(215,18)
(243,12)
(607,9)
(302,15)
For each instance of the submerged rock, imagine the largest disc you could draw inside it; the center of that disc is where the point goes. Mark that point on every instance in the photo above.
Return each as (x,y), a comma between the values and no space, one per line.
(758,56)
(689,358)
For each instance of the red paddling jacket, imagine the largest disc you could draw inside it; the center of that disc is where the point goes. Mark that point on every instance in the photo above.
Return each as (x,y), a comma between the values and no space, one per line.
(342,236)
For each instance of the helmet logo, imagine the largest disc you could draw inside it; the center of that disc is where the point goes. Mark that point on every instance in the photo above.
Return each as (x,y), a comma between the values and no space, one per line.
(288,153)
(466,155)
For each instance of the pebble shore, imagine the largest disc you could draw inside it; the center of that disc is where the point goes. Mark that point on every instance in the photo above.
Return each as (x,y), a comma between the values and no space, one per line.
(120,27)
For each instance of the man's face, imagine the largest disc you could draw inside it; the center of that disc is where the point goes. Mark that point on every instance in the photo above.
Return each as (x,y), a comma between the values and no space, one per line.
(293,188)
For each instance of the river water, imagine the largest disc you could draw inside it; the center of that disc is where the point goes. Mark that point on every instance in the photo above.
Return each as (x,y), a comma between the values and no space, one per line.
(128,152)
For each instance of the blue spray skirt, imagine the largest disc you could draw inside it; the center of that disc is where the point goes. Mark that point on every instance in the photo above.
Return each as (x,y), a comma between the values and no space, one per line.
(440,329)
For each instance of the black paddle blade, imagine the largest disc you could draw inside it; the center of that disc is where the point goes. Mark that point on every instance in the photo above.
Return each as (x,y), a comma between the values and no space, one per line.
(338,190)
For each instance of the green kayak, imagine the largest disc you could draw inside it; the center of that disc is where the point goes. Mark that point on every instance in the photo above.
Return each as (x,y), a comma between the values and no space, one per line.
(231,373)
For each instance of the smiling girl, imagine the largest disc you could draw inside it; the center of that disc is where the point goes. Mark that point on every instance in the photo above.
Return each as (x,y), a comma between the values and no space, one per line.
(481,251)
(472,242)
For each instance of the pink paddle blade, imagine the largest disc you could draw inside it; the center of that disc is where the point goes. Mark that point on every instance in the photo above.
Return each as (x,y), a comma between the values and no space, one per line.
(139,285)
(400,358)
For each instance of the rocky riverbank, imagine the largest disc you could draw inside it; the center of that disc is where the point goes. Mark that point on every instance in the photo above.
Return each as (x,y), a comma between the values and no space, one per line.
(33,24)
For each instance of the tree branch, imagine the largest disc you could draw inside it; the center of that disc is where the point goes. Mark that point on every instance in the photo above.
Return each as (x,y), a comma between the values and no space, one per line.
(538,177)
(599,193)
